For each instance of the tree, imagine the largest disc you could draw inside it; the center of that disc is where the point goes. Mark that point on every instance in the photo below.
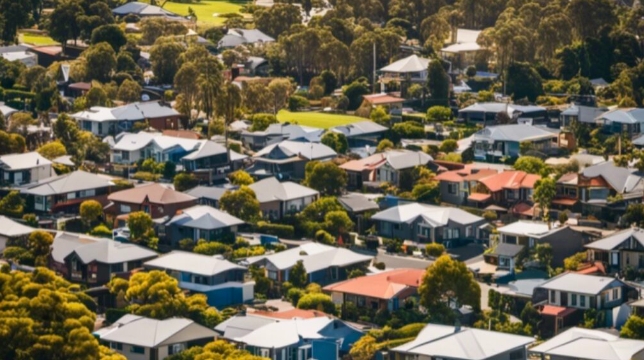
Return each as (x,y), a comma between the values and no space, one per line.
(90,211)
(100,62)
(336,141)
(338,222)
(277,19)
(384,144)
(434,249)
(39,244)
(20,122)
(129,91)
(572,262)
(164,56)
(524,82)
(530,164)
(216,350)
(327,178)
(439,113)
(185,181)
(240,178)
(317,301)
(543,254)
(634,214)
(296,102)
(297,275)
(355,91)
(437,83)
(544,191)
(228,103)
(241,203)
(448,284)
(15,15)
(12,205)
(52,150)
(211,248)
(141,229)
(448,146)
(111,34)
(364,349)
(212,96)
(633,328)
(380,116)
(280,90)
(260,122)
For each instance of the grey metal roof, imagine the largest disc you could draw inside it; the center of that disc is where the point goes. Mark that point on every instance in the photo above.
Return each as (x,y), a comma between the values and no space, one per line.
(621,179)
(589,344)
(205,218)
(65,243)
(356,202)
(288,149)
(13,48)
(66,183)
(510,250)
(623,116)
(23,161)
(616,240)
(238,326)
(405,159)
(410,64)
(514,132)
(433,215)
(236,37)
(270,189)
(359,128)
(142,9)
(209,148)
(207,192)
(579,283)
(112,252)
(193,263)
(639,140)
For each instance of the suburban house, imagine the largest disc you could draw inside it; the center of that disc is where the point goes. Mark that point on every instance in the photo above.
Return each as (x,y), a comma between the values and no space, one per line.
(588,344)
(278,199)
(287,159)
(220,280)
(386,290)
(237,36)
(140,338)
(495,142)
(324,264)
(628,121)
(619,251)
(411,69)
(505,188)
(158,200)
(488,113)
(383,167)
(208,195)
(19,53)
(359,207)
(7,111)
(362,133)
(20,169)
(581,114)
(463,47)
(563,240)
(392,103)
(145,10)
(321,337)
(457,185)
(455,342)
(276,133)
(65,193)
(12,232)
(102,121)
(94,263)
(213,160)
(606,190)
(565,296)
(505,256)
(567,197)
(428,223)
(201,222)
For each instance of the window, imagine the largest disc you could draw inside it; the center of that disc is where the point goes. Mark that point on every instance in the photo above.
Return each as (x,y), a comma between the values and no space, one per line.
(137,350)
(272,275)
(175,349)
(71,195)
(615,293)
(517,354)
(582,300)
(126,209)
(116,268)
(452,188)
(573,299)
(116,346)
(125,155)
(87,193)
(553,297)
(607,296)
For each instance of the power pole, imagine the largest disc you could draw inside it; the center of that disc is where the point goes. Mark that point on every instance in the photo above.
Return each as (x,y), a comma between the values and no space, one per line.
(374,67)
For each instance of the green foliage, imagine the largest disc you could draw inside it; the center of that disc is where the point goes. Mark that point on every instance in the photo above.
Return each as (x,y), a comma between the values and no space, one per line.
(241,203)
(12,205)
(490,215)
(573,262)
(438,83)
(355,91)
(141,229)
(530,164)
(296,102)
(279,230)
(240,177)
(633,328)
(218,349)
(326,177)
(294,295)
(434,249)
(317,301)
(545,190)
(338,222)
(52,150)
(210,248)
(439,113)
(260,122)
(448,146)
(380,116)
(297,275)
(524,82)
(384,144)
(185,181)
(408,130)
(364,349)
(30,220)
(336,141)
(101,231)
(324,237)
(90,211)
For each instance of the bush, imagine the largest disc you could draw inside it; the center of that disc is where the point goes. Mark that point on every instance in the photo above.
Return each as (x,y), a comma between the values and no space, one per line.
(294,295)
(321,302)
(211,248)
(297,102)
(379,265)
(279,230)
(101,231)
(146,176)
(324,237)
(439,113)
(489,215)
(434,249)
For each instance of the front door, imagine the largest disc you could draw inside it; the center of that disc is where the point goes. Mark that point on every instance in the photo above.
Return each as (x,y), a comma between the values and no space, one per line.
(564,299)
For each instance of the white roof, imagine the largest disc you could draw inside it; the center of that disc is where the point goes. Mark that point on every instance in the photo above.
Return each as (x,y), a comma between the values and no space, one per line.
(65,243)
(465,41)
(150,333)
(285,333)
(133,142)
(433,215)
(412,63)
(404,159)
(589,344)
(6,110)
(289,148)
(66,183)
(270,189)
(525,228)
(514,132)
(615,240)
(95,113)
(109,251)
(193,263)
(23,161)
(579,283)
(315,256)
(204,217)
(10,228)
(18,55)
(444,341)
(128,112)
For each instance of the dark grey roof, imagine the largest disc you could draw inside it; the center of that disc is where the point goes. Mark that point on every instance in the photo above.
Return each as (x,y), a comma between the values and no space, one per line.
(622,180)
(355,202)
(505,249)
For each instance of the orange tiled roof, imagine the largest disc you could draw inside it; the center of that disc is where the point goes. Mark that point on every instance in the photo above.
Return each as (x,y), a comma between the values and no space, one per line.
(556,311)
(479,197)
(291,314)
(369,163)
(380,99)
(510,180)
(523,209)
(465,174)
(381,286)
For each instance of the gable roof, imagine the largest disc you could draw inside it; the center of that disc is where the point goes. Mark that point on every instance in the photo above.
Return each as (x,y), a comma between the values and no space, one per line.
(621,179)
(592,344)
(23,161)
(505,249)
(467,343)
(525,228)
(66,242)
(204,217)
(155,193)
(109,251)
(469,173)
(357,202)
(315,256)
(412,63)
(129,112)
(285,333)
(579,283)
(616,240)
(193,263)
(289,132)
(359,128)
(10,228)
(382,99)
(238,36)
(150,333)
(623,116)
(142,9)
(369,163)
(289,148)
(384,285)
(270,189)
(75,181)
(6,110)
(514,132)
(405,159)
(207,192)
(208,148)
(509,179)
(433,215)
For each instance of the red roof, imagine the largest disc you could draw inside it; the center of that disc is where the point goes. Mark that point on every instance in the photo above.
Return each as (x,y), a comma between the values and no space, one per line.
(510,180)
(452,176)
(479,197)
(564,201)
(383,99)
(523,209)
(385,285)
(369,163)
(291,314)
(557,311)
(466,174)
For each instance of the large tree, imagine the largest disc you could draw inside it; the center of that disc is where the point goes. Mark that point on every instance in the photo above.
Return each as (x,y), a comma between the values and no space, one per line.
(241,203)
(164,56)
(326,177)
(63,23)
(544,191)
(111,34)
(438,83)
(100,61)
(14,15)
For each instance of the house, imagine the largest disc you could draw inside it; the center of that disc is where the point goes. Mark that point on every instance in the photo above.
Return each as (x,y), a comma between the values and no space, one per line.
(359,207)
(564,240)
(488,113)
(619,251)
(19,53)
(565,296)
(320,337)
(505,256)
(155,199)
(463,48)
(208,195)
(324,264)
(462,343)
(567,196)
(393,103)
(237,36)
(386,290)
(202,222)
(412,68)
(629,121)
(12,231)
(143,10)
(279,199)
(362,133)
(75,90)
(495,142)
(94,263)
(582,114)
(606,190)
(65,193)
(457,185)
(287,159)
(588,344)
(384,167)
(6,111)
(20,169)
(213,160)
(505,188)
(103,121)
(138,338)
(276,133)
(220,280)
(428,223)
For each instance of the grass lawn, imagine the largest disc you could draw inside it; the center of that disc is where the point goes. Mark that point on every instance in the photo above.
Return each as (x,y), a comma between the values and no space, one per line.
(206,9)
(34,39)
(317,119)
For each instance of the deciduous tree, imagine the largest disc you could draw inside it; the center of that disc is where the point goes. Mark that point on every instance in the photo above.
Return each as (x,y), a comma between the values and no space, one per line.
(241,203)
(327,178)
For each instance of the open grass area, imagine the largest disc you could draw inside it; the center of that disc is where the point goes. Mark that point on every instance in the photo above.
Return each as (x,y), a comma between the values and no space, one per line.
(206,10)
(317,119)
(35,39)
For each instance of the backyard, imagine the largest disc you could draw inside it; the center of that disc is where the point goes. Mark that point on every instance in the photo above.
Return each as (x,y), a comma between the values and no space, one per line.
(207,11)
(317,119)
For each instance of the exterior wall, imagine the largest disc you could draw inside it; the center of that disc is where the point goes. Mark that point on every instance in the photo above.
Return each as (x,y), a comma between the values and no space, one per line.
(564,243)
(155,210)
(457,198)
(42,172)
(297,205)
(388,174)
(126,351)
(271,210)
(169,123)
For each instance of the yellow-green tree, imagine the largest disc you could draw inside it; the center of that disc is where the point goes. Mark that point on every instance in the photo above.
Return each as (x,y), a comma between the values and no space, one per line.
(240,177)
(52,150)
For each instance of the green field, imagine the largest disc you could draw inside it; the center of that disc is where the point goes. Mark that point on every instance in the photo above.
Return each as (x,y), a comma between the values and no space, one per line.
(317,119)
(206,10)
(34,39)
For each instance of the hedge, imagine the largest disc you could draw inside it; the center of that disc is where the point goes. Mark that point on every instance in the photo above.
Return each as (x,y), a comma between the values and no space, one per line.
(12,94)
(279,230)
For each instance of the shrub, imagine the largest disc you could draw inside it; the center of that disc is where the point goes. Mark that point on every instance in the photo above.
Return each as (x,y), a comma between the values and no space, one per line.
(379,265)
(321,302)
(439,113)
(324,237)
(294,295)
(297,102)
(489,215)
(111,315)
(434,249)
(101,231)
(146,176)
(279,230)
(211,248)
